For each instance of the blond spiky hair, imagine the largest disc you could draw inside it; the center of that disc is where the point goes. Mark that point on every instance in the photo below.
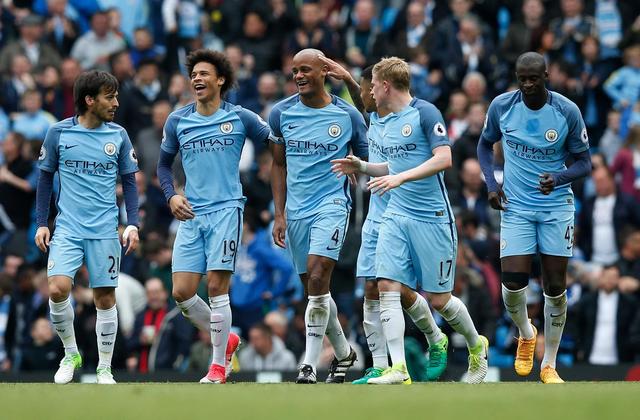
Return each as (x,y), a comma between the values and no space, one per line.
(395,71)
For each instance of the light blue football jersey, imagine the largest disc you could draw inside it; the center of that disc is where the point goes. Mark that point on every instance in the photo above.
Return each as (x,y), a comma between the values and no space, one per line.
(88,162)
(377,204)
(409,138)
(535,142)
(312,138)
(210,148)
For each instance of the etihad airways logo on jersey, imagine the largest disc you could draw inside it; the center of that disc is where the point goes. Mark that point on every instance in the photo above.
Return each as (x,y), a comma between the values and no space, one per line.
(530,152)
(88,167)
(398,151)
(311,147)
(212,144)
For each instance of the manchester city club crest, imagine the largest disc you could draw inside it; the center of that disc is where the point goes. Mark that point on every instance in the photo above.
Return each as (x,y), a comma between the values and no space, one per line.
(226,128)
(334,130)
(551,135)
(407,130)
(110,149)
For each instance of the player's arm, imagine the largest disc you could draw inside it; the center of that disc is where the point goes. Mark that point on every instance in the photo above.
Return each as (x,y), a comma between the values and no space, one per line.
(48,163)
(578,144)
(340,73)
(490,135)
(440,161)
(279,190)
(43,199)
(352,165)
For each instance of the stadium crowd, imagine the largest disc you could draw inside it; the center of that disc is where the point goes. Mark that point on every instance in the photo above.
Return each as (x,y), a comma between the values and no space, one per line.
(461,54)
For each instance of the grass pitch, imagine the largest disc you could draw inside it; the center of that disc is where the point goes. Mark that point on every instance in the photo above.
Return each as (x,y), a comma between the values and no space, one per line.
(443,401)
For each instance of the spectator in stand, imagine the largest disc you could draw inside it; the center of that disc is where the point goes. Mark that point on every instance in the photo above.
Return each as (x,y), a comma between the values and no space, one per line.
(629,261)
(132,14)
(611,142)
(562,81)
(627,164)
(69,72)
(92,50)
(257,188)
(570,30)
(623,86)
(602,320)
(161,337)
(144,48)
(265,352)
(137,98)
(33,122)
(261,275)
(44,351)
(257,41)
(17,186)
(122,67)
(474,85)
(245,90)
(524,34)
(61,31)
(456,115)
(17,83)
(467,145)
(362,42)
(604,217)
(311,31)
(279,325)
(269,93)
(148,140)
(49,86)
(179,91)
(415,37)
(30,44)
(472,195)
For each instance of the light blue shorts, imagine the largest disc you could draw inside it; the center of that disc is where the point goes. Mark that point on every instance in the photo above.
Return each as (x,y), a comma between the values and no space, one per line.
(321,234)
(410,251)
(529,232)
(366,266)
(102,257)
(208,242)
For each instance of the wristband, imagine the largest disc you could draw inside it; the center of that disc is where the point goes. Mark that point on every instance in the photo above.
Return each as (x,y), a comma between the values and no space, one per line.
(362,166)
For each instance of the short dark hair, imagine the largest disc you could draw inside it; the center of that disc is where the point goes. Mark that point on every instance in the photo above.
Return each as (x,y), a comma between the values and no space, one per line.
(92,83)
(216,59)
(367,73)
(261,326)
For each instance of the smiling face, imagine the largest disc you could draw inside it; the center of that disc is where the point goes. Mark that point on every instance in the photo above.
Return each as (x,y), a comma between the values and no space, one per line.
(309,73)
(205,82)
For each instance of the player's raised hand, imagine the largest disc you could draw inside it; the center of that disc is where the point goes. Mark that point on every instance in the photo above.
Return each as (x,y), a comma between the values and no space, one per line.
(385,183)
(496,198)
(181,208)
(42,238)
(335,70)
(279,230)
(547,183)
(347,166)
(130,239)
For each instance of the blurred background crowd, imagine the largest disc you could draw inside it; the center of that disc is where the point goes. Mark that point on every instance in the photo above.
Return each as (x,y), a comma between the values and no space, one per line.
(461,55)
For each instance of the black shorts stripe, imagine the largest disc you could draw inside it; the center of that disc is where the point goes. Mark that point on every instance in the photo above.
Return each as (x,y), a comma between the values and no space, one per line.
(235,255)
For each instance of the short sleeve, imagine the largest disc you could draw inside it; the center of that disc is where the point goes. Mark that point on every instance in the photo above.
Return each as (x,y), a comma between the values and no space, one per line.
(359,141)
(433,126)
(577,137)
(256,128)
(491,131)
(48,158)
(274,124)
(127,159)
(170,143)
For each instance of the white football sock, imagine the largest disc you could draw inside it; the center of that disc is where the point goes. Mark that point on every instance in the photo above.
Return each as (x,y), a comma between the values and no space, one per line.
(220,327)
(62,316)
(197,311)
(373,332)
(316,318)
(334,332)
(515,302)
(420,314)
(392,320)
(555,316)
(106,331)
(457,315)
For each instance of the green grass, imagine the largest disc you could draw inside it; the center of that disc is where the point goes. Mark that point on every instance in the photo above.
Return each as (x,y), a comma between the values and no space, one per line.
(442,401)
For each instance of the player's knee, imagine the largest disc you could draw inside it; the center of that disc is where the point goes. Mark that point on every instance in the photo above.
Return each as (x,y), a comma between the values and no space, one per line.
(179,294)
(217,288)
(318,285)
(57,294)
(515,281)
(554,288)
(438,300)
(371,290)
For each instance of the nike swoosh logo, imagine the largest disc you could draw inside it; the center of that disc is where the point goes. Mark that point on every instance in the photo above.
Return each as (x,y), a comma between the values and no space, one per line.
(556,315)
(57,322)
(314,326)
(291,127)
(370,335)
(226,261)
(510,131)
(215,322)
(332,249)
(113,277)
(70,146)
(106,335)
(442,283)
